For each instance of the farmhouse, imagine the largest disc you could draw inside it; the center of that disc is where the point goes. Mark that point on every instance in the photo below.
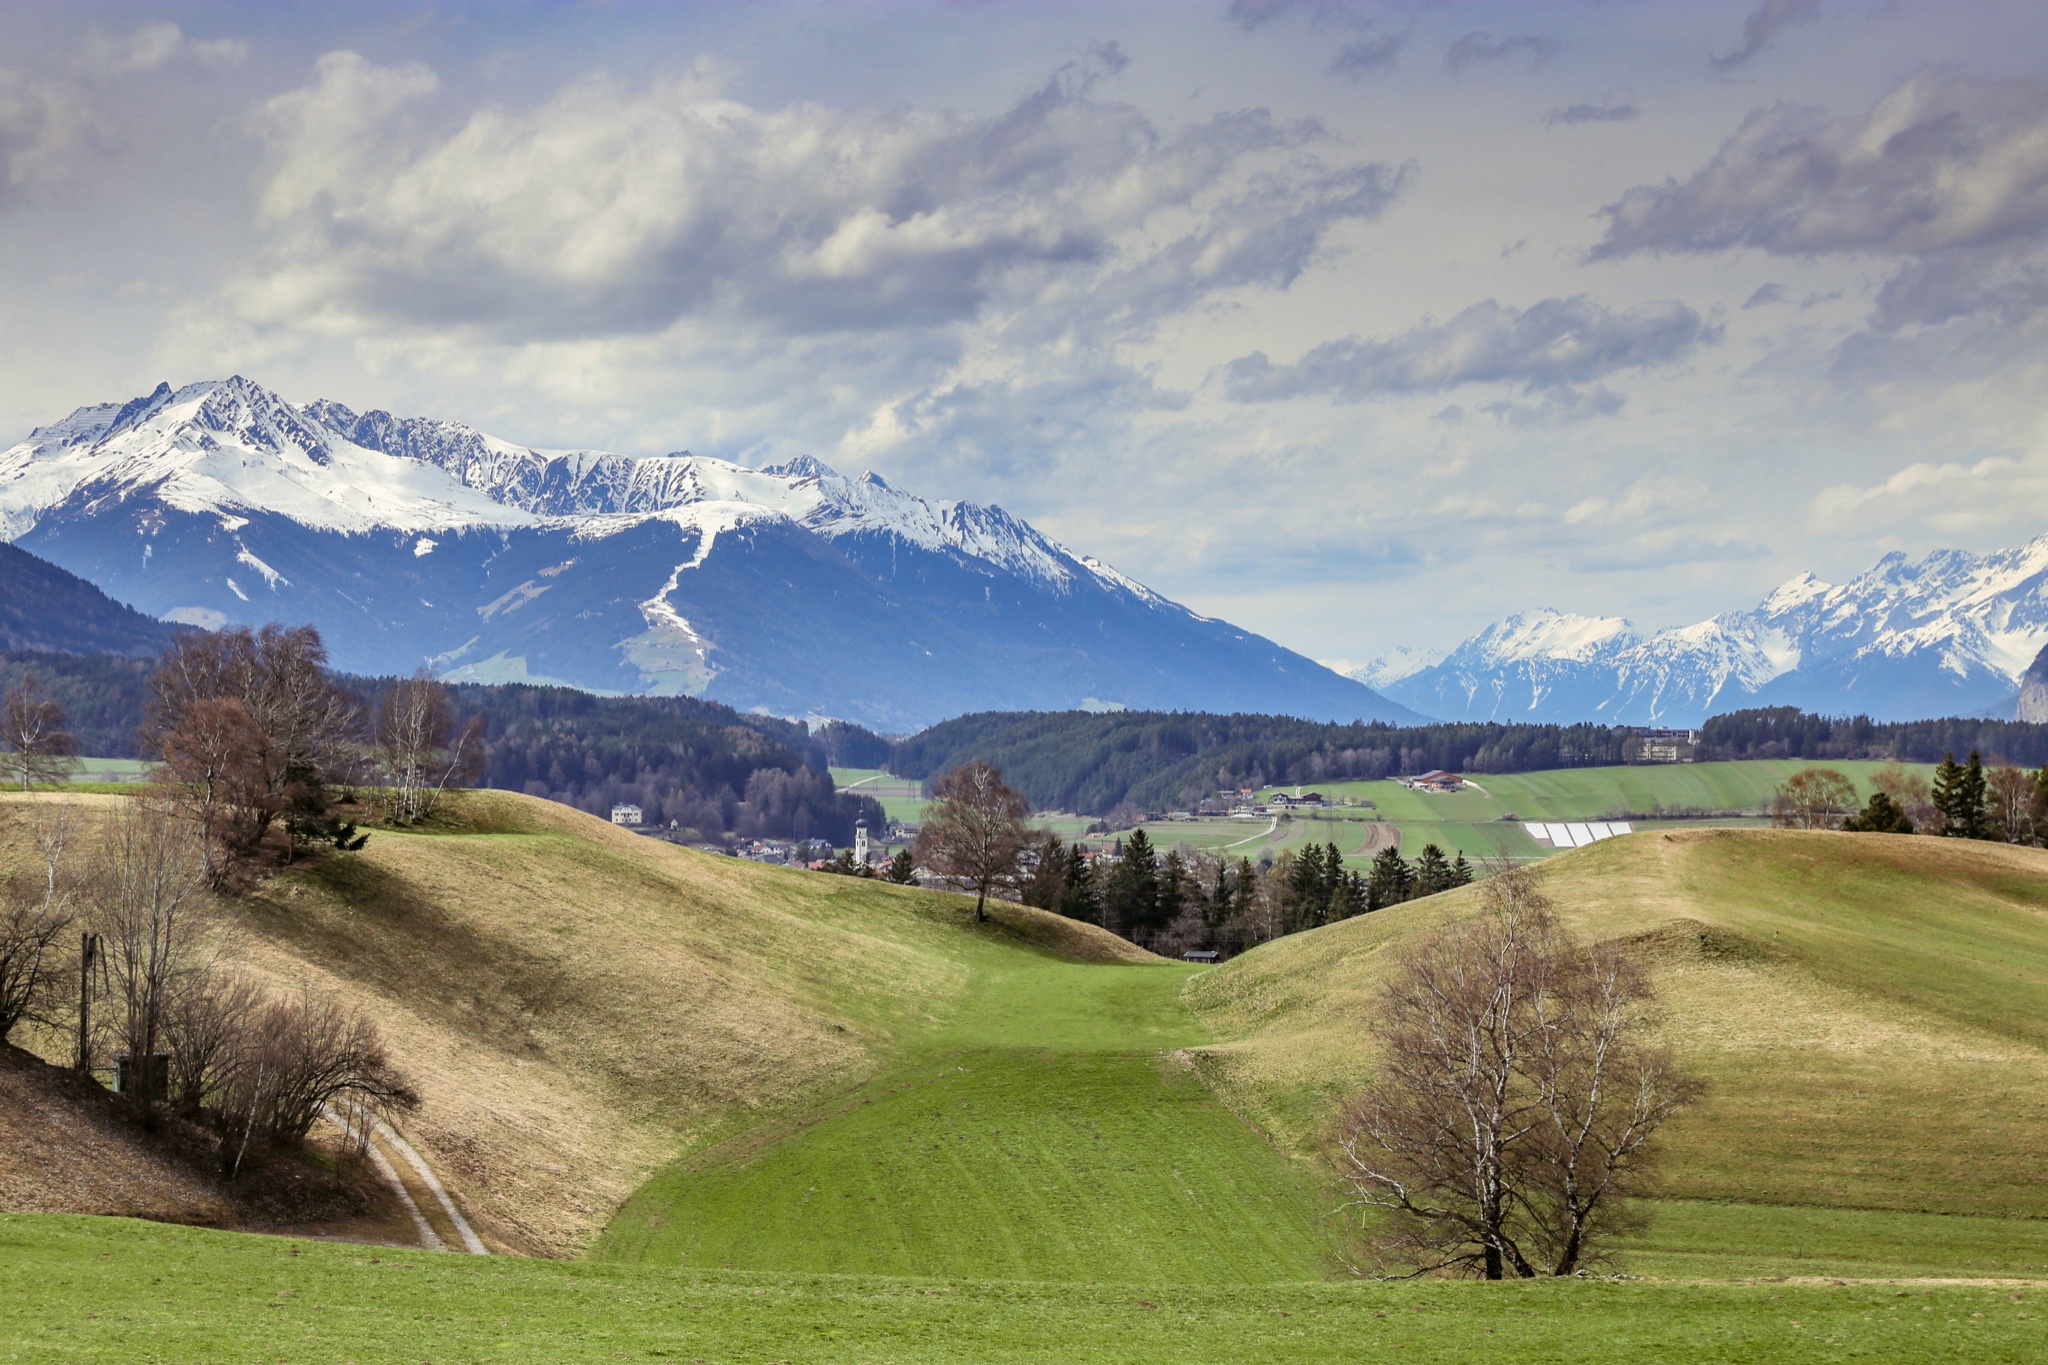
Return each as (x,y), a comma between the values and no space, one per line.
(626,815)
(1660,746)
(1435,780)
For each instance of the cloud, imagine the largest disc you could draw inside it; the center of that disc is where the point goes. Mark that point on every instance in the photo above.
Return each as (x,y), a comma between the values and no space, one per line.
(1355,61)
(1763,26)
(1253,14)
(153,47)
(1594,113)
(612,209)
(1764,295)
(1939,163)
(1480,46)
(1550,345)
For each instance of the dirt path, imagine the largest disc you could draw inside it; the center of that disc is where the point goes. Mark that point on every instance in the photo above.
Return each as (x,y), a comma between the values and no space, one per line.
(419,1190)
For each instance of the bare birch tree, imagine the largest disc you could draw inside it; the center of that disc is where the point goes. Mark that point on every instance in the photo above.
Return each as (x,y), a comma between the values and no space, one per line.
(1517,1098)
(32,732)
(420,749)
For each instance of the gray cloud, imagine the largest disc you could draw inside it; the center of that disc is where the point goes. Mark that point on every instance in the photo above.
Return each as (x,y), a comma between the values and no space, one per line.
(1552,344)
(1764,296)
(1480,46)
(615,211)
(1594,113)
(1763,26)
(1251,14)
(1355,61)
(1939,163)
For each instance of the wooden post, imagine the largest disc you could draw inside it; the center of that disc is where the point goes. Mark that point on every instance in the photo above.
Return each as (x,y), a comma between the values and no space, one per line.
(88,955)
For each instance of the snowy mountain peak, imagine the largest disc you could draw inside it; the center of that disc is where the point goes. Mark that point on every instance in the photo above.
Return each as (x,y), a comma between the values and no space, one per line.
(1549,634)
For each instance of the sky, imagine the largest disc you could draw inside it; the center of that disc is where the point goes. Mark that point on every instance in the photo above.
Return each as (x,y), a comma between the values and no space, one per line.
(1359,324)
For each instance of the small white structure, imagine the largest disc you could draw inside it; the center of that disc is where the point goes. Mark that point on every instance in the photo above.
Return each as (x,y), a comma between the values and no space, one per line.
(1574,834)
(860,842)
(626,815)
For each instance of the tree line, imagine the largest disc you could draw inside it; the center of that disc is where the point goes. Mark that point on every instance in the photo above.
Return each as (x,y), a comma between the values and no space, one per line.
(975,836)
(717,773)
(1969,800)
(1787,732)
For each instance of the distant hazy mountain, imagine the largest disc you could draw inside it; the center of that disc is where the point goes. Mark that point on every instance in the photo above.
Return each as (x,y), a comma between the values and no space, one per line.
(790,589)
(44,608)
(1947,635)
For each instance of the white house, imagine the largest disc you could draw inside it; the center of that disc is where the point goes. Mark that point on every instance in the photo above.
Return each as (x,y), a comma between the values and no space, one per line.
(626,815)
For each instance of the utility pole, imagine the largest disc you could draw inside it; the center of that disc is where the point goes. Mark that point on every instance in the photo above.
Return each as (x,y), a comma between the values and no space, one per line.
(88,957)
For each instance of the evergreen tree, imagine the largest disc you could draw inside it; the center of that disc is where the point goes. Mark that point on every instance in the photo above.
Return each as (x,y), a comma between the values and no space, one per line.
(1173,886)
(1047,882)
(902,868)
(1391,881)
(1131,906)
(1461,872)
(1881,815)
(1959,796)
(1432,871)
(1080,898)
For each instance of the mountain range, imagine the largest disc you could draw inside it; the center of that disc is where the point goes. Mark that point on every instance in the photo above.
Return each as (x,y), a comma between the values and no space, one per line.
(791,590)
(1951,634)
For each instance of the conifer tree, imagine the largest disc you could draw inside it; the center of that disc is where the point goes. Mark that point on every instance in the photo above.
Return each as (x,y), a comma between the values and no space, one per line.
(1959,796)
(1132,903)
(1391,881)
(1080,897)
(902,868)
(1461,872)
(1432,871)
(1881,815)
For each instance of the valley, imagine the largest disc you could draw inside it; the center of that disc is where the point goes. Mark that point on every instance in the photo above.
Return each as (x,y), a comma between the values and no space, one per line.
(757,1104)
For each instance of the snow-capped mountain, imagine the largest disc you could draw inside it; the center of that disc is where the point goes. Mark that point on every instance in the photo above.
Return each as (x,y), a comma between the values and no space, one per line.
(1950,634)
(791,589)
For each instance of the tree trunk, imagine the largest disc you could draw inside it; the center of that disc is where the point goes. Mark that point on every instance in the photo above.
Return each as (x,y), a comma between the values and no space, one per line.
(980,900)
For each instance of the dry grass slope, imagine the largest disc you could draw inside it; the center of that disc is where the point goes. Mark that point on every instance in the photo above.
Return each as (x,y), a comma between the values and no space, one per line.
(1869,1010)
(580,1005)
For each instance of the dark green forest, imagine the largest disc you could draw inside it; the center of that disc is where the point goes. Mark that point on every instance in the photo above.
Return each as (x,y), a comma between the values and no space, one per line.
(1095,763)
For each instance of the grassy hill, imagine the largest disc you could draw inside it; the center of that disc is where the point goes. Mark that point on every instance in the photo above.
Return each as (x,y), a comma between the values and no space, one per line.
(582,1006)
(1868,1010)
(795,1116)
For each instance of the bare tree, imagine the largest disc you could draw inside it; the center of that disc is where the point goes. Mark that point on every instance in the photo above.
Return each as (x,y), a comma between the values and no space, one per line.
(1910,792)
(254,732)
(158,926)
(2011,805)
(36,910)
(298,1057)
(1814,798)
(973,833)
(39,748)
(1518,1095)
(207,1028)
(420,749)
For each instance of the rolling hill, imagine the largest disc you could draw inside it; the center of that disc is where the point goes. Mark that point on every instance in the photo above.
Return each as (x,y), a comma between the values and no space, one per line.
(783,1110)
(1867,1010)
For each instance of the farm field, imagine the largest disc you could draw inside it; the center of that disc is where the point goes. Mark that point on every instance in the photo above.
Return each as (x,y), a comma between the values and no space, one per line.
(1475,822)
(170,1294)
(902,799)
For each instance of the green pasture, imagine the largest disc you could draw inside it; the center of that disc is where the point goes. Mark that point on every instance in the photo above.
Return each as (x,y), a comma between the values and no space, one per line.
(1046,1130)
(902,798)
(111,1290)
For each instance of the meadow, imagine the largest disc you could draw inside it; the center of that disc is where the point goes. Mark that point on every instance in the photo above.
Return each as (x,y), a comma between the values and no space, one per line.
(138,1293)
(774,1115)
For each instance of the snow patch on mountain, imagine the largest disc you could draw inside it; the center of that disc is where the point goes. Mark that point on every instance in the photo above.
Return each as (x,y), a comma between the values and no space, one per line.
(1953,631)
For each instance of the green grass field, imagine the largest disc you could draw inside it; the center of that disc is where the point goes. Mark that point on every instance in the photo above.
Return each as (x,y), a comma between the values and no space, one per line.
(1045,1131)
(907,1137)
(111,1290)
